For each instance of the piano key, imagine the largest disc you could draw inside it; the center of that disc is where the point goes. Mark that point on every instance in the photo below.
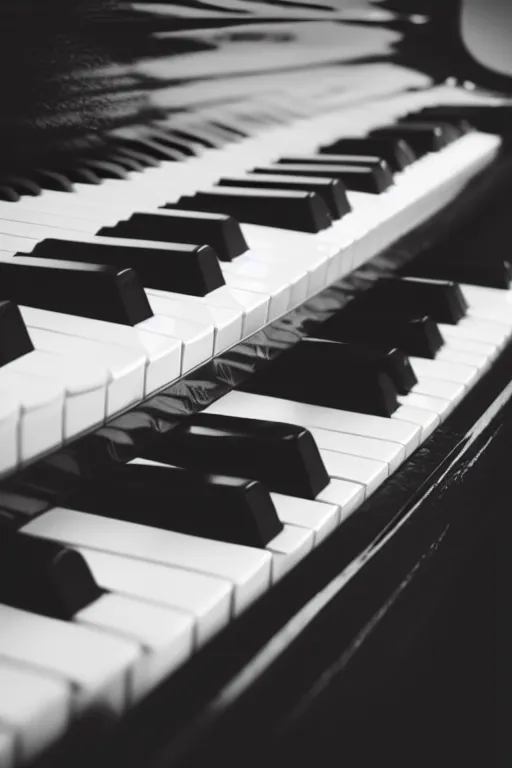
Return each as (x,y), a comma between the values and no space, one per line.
(41,424)
(476,329)
(428,403)
(330,190)
(7,741)
(450,355)
(280,276)
(446,390)
(161,355)
(370,161)
(220,232)
(392,454)
(10,417)
(422,137)
(288,548)
(394,151)
(417,336)
(247,568)
(318,517)
(237,403)
(14,338)
(98,666)
(442,300)
(207,599)
(336,375)
(275,290)
(125,369)
(460,374)
(213,506)
(34,709)
(282,456)
(85,387)
(303,211)
(225,324)
(177,267)
(345,495)
(482,348)
(91,290)
(309,270)
(165,635)
(427,420)
(356,469)
(43,577)
(370,179)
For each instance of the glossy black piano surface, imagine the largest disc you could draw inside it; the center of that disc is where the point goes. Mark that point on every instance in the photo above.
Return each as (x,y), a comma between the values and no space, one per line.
(379,645)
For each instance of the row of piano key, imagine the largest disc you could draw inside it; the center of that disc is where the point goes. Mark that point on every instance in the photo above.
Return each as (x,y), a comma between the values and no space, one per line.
(104,342)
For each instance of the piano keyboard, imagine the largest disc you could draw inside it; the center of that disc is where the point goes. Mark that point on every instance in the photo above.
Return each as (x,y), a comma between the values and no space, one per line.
(137,572)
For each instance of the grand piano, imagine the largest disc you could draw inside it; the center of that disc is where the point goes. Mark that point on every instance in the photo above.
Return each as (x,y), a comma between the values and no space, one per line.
(255,382)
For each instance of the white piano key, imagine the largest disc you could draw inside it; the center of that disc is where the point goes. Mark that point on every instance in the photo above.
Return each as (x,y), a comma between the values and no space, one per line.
(427,420)
(476,329)
(98,666)
(207,599)
(432,369)
(347,496)
(41,425)
(226,323)
(246,568)
(447,390)
(251,406)
(162,354)
(482,348)
(428,403)
(486,297)
(9,431)
(276,291)
(85,385)
(318,517)
(126,368)
(165,635)
(449,355)
(7,748)
(197,339)
(392,454)
(294,275)
(288,548)
(367,472)
(34,708)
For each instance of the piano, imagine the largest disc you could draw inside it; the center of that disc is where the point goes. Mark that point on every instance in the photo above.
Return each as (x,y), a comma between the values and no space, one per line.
(255,381)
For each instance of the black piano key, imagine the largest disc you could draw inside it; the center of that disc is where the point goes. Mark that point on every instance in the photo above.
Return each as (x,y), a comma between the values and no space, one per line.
(143,158)
(44,577)
(23,185)
(336,375)
(416,336)
(79,174)
(368,161)
(301,211)
(423,137)
(151,147)
(454,128)
(493,271)
(222,233)
(128,163)
(105,169)
(103,292)
(396,152)
(485,117)
(231,509)
(9,194)
(282,456)
(55,180)
(441,299)
(174,142)
(14,337)
(178,267)
(356,177)
(199,136)
(332,191)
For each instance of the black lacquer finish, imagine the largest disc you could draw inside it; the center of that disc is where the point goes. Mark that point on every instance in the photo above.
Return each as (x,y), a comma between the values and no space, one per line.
(14,338)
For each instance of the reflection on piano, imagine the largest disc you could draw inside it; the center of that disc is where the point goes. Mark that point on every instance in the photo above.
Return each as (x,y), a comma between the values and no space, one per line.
(255,325)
